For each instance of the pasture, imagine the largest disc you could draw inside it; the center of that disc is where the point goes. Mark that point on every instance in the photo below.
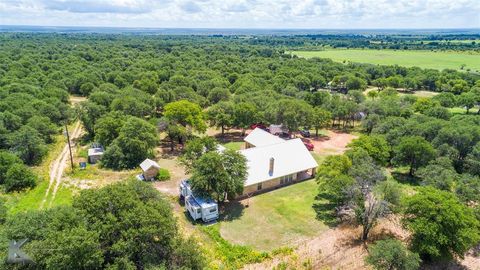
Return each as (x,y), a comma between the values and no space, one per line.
(407,58)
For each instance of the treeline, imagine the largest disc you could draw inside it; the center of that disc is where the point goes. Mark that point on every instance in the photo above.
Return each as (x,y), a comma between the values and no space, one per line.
(460,42)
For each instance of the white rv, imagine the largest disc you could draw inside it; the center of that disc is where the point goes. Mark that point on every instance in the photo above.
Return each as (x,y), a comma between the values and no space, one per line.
(198,207)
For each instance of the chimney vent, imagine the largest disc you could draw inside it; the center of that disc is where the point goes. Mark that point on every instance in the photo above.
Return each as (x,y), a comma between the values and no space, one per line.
(272,163)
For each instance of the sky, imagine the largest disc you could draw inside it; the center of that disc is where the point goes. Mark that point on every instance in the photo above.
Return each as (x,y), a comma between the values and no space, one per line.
(267,14)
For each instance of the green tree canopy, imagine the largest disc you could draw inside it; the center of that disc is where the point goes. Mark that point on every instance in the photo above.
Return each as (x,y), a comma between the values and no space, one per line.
(441,226)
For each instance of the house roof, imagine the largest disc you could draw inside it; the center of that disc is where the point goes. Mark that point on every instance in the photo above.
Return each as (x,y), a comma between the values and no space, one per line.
(259,137)
(148,163)
(95,151)
(289,157)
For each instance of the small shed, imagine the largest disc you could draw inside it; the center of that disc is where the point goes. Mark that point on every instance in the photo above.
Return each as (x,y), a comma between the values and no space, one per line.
(94,154)
(150,169)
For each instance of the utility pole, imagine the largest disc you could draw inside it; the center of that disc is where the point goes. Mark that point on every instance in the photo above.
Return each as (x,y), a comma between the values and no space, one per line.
(69,146)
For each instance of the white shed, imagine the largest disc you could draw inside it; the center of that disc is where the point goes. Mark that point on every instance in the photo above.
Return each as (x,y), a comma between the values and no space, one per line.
(150,169)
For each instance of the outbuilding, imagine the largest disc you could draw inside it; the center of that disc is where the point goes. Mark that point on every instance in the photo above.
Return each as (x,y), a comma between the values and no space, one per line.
(94,154)
(150,169)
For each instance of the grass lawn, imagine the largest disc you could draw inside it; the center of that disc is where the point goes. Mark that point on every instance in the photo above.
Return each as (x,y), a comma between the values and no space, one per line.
(458,110)
(410,58)
(278,218)
(32,199)
(234,145)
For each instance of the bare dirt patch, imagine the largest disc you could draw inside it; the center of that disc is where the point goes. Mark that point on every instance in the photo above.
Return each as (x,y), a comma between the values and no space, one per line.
(169,160)
(334,143)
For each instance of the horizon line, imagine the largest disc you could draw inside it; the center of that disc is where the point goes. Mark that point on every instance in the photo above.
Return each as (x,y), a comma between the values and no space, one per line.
(234,28)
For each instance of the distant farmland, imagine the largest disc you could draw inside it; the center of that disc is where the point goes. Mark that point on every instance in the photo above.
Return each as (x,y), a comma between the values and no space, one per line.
(423,59)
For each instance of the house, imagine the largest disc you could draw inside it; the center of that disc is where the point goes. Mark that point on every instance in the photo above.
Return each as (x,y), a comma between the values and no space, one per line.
(198,207)
(150,169)
(94,154)
(275,163)
(259,137)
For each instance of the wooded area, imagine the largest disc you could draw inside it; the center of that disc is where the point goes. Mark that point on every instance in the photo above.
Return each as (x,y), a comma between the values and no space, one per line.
(139,87)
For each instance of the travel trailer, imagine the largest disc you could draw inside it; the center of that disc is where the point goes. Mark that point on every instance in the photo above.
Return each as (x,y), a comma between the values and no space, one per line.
(198,207)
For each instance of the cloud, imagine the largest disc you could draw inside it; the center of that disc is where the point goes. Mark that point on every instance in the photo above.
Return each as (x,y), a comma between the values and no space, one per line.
(92,6)
(245,13)
(190,7)
(237,7)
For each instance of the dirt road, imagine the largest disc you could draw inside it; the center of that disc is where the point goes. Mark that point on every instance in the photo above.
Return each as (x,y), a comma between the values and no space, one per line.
(58,166)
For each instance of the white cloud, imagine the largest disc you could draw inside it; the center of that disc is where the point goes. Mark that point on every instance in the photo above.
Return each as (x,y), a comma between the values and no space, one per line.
(245,13)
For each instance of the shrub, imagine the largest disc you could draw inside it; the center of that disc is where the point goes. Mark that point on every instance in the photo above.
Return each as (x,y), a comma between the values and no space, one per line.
(392,254)
(163,175)
(19,177)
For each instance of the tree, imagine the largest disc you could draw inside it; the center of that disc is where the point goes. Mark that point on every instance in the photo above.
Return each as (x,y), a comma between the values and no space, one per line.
(218,94)
(75,248)
(221,115)
(320,119)
(423,104)
(195,148)
(28,145)
(44,126)
(7,160)
(135,142)
(413,151)
(185,113)
(355,83)
(219,175)
(468,189)
(472,162)
(376,147)
(372,94)
(391,254)
(107,128)
(446,99)
(19,177)
(439,173)
(89,112)
(333,179)
(441,226)
(127,225)
(244,114)
(467,100)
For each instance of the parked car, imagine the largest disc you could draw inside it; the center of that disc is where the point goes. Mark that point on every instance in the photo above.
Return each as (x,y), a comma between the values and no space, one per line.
(308,144)
(258,125)
(284,135)
(305,133)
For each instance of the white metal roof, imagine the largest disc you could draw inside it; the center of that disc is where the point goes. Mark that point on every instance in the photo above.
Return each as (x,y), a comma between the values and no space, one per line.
(148,163)
(289,157)
(259,137)
(95,152)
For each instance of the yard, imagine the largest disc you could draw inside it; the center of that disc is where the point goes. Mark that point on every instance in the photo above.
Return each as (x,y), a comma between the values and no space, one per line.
(274,219)
(410,58)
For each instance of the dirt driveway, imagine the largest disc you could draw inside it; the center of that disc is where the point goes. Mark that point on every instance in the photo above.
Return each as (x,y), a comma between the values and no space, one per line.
(169,160)
(333,143)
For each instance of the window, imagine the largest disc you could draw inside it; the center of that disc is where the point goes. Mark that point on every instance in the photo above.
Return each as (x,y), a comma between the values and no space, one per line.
(259,186)
(199,211)
(213,210)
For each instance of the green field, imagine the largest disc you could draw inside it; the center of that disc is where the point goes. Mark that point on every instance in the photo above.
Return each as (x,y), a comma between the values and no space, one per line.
(423,59)
(277,218)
